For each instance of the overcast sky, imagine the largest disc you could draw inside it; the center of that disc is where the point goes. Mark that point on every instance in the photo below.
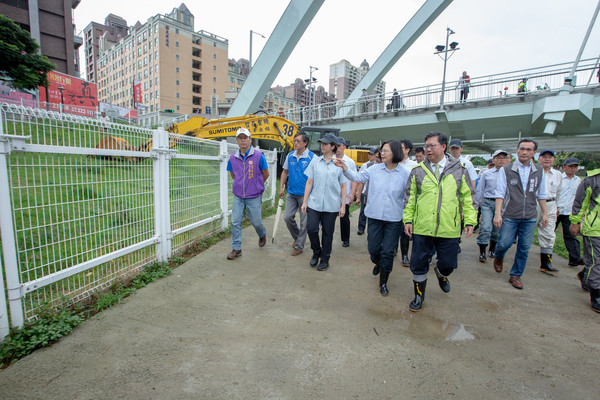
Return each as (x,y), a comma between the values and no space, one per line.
(494,36)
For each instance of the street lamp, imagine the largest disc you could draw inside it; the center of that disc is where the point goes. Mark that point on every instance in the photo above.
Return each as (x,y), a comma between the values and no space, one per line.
(445,49)
(62,100)
(251,33)
(311,92)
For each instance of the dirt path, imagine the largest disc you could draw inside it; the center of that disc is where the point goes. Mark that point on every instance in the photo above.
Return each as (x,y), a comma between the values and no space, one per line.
(267,326)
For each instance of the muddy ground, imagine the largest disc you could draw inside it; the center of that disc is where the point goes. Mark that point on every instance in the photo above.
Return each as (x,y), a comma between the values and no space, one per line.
(268,326)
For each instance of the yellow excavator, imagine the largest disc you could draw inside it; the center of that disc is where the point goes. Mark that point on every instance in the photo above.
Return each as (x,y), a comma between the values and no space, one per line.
(263,127)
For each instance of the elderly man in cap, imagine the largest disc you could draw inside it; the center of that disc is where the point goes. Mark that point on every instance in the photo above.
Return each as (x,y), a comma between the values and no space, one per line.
(342,144)
(456,148)
(486,188)
(249,170)
(546,235)
(519,187)
(362,189)
(568,188)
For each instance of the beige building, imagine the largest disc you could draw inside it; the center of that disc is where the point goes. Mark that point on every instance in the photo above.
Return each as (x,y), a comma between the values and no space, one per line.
(344,77)
(179,69)
(117,29)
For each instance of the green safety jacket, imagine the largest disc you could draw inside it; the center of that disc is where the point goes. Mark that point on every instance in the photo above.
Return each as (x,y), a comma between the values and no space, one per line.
(586,204)
(434,208)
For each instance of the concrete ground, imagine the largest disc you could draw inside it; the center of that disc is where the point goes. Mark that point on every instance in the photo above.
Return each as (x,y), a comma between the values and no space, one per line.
(268,326)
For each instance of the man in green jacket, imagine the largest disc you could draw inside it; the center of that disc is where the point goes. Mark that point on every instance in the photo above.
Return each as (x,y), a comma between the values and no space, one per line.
(439,190)
(584,220)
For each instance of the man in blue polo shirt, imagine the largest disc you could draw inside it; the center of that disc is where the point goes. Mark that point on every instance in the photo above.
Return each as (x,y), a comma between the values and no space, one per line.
(293,171)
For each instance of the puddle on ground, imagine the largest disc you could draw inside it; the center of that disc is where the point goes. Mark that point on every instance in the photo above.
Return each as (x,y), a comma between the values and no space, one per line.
(421,326)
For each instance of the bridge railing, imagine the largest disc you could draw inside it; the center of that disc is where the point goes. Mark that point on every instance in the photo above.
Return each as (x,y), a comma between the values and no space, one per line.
(538,80)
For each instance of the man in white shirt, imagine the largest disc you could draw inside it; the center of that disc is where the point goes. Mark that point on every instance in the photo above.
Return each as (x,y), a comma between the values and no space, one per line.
(350,191)
(570,182)
(546,235)
(456,148)
(409,164)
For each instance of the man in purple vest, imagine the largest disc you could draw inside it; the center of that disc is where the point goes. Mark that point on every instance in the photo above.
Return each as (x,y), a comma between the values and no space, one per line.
(249,170)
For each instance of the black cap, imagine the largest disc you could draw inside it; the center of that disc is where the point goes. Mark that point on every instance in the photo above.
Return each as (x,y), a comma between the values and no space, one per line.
(373,150)
(547,151)
(490,162)
(341,140)
(455,143)
(329,138)
(571,161)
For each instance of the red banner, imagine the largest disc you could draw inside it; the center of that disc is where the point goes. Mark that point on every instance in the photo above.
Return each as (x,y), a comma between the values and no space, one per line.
(137,92)
(77,97)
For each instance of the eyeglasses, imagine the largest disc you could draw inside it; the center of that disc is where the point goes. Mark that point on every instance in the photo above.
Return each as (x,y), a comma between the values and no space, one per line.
(430,146)
(385,151)
(501,158)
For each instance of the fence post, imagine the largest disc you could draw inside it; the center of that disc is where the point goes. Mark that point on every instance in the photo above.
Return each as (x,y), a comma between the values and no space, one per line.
(223,184)
(274,189)
(162,219)
(9,248)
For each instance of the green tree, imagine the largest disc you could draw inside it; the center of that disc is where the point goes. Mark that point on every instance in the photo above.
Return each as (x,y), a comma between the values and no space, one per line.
(19,59)
(478,161)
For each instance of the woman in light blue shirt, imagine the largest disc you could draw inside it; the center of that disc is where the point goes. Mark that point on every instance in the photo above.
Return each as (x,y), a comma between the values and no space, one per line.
(384,208)
(323,194)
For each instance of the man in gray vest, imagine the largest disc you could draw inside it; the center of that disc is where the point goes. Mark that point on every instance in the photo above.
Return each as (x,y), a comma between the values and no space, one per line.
(520,185)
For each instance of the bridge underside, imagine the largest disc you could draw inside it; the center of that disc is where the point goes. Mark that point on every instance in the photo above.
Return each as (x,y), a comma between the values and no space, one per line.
(483,126)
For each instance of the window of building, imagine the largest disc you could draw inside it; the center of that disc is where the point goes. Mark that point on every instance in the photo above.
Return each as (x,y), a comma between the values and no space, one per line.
(177,69)
(176,30)
(139,63)
(156,94)
(156,69)
(176,44)
(215,56)
(231,79)
(177,94)
(177,108)
(214,67)
(177,82)
(214,79)
(145,61)
(177,57)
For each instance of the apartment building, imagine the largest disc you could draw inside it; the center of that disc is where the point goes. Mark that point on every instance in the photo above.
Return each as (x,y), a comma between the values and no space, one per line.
(175,67)
(50,23)
(114,29)
(344,77)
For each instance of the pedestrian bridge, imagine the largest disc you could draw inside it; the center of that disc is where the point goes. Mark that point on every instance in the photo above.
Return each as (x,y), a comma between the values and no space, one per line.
(494,115)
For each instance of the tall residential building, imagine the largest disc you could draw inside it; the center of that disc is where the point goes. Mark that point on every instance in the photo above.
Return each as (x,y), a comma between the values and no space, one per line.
(114,29)
(177,68)
(344,77)
(50,23)
(274,102)
(300,92)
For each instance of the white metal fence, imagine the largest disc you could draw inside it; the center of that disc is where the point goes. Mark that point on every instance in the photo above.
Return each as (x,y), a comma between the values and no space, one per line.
(76,218)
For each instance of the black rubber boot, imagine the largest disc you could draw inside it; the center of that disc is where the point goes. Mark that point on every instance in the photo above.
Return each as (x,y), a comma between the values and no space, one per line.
(482,257)
(404,251)
(383,278)
(595,299)
(315,259)
(376,270)
(443,280)
(580,276)
(417,303)
(492,249)
(546,264)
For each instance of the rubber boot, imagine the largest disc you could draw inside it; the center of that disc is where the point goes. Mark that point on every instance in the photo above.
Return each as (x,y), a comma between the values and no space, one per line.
(443,281)
(581,277)
(404,251)
(417,303)
(482,257)
(492,251)
(376,269)
(383,278)
(595,299)
(546,264)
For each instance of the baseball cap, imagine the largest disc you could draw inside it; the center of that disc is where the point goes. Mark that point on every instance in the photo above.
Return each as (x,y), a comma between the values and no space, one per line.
(571,161)
(341,140)
(328,138)
(499,152)
(455,143)
(547,151)
(242,131)
(373,150)
(490,162)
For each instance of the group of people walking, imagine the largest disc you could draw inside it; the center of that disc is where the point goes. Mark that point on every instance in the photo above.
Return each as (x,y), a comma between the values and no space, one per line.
(432,202)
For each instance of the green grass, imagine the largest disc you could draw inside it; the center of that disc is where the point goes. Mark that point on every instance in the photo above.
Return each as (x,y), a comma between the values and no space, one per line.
(559,243)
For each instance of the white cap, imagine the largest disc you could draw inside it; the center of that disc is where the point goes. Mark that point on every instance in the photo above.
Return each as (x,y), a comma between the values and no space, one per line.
(242,131)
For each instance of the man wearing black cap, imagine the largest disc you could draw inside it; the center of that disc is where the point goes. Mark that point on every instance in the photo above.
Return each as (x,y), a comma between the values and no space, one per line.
(546,235)
(486,188)
(350,189)
(456,148)
(362,189)
(568,188)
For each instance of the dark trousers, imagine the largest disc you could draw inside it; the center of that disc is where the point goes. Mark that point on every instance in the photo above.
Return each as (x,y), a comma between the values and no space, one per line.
(404,240)
(424,246)
(571,242)
(345,225)
(327,222)
(382,241)
(362,218)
